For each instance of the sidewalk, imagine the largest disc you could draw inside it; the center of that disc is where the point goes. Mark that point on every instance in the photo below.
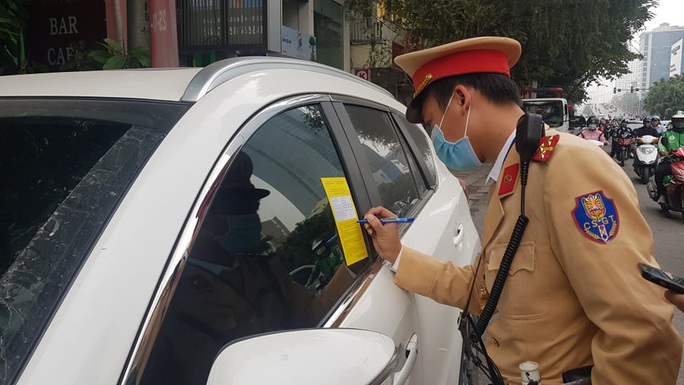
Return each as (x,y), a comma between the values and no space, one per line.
(475,182)
(477,192)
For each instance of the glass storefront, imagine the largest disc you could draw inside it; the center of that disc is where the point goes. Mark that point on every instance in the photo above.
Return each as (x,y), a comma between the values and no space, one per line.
(328,29)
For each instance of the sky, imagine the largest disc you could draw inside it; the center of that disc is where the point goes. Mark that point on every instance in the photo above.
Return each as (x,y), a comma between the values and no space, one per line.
(668,11)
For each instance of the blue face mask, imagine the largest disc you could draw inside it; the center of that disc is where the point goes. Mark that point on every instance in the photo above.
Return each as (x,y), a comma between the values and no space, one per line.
(243,235)
(458,156)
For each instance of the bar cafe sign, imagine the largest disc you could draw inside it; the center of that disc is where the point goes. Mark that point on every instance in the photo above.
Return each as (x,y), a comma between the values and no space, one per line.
(56,24)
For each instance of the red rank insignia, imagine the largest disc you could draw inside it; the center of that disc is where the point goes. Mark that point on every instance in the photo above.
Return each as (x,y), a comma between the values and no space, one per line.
(510,175)
(546,146)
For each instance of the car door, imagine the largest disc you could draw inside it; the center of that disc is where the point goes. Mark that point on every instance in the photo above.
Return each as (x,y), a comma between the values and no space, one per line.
(274,245)
(404,177)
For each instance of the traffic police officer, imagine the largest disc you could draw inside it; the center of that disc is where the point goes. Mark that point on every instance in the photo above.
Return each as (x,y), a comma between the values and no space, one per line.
(574,296)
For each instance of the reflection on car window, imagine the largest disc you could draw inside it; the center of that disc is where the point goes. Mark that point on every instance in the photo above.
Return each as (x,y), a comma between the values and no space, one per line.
(386,157)
(423,149)
(65,166)
(267,255)
(550,111)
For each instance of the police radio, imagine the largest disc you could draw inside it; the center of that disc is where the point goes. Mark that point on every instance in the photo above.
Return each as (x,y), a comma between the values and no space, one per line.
(529,131)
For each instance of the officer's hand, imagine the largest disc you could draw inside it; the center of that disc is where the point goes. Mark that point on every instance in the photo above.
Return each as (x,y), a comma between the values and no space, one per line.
(676,299)
(385,236)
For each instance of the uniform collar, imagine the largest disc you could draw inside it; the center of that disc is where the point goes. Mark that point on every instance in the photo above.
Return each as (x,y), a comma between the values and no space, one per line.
(498,165)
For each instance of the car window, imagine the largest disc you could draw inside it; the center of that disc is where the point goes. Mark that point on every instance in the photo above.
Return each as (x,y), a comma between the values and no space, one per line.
(422,148)
(267,255)
(65,166)
(550,111)
(386,157)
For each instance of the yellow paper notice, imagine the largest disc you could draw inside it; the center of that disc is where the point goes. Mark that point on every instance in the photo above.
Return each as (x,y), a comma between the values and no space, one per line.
(344,212)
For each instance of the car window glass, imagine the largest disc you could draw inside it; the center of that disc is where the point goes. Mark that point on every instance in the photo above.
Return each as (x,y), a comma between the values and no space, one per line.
(65,166)
(550,111)
(422,148)
(386,157)
(267,255)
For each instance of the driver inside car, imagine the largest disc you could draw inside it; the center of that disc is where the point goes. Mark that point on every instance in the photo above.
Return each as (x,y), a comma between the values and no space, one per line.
(232,287)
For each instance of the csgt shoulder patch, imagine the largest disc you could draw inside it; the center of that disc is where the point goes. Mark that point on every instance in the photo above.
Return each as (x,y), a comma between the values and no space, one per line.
(596,217)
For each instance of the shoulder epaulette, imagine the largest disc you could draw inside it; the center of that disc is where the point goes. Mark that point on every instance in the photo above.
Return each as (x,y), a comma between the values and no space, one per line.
(546,146)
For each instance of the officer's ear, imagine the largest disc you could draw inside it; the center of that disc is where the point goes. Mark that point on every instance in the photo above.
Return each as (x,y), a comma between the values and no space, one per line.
(463,98)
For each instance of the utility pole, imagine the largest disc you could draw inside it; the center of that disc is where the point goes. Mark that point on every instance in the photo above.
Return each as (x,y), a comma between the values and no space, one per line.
(138,23)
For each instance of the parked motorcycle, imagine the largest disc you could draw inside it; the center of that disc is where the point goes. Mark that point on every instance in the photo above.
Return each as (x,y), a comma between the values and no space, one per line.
(674,185)
(646,157)
(625,139)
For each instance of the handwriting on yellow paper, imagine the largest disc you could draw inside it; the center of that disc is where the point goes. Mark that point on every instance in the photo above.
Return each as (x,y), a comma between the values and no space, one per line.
(344,212)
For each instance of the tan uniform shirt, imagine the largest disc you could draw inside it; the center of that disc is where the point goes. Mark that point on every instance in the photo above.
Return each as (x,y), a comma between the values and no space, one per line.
(574,296)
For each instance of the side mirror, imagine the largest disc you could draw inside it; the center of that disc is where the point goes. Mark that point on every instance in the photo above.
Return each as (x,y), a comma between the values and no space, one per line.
(307,356)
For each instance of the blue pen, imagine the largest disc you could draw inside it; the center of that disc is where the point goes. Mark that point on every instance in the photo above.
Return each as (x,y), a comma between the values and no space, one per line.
(389,220)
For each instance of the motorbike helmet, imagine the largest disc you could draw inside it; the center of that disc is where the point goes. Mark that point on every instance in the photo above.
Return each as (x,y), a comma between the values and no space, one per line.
(678,122)
(592,123)
(647,120)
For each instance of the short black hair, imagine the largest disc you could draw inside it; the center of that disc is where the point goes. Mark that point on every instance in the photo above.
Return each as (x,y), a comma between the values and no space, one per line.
(498,88)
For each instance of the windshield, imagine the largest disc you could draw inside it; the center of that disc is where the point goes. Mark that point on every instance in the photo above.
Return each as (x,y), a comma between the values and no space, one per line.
(550,111)
(65,164)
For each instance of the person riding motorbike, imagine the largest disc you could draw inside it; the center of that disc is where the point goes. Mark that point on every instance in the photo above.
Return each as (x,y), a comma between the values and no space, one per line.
(622,131)
(655,123)
(646,129)
(592,132)
(670,141)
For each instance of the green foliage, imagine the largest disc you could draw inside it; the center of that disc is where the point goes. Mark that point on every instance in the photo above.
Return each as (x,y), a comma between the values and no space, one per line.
(113,56)
(13,16)
(296,251)
(81,59)
(566,43)
(665,97)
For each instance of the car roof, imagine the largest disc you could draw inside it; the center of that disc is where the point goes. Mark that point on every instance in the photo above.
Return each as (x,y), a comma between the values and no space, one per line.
(170,84)
(158,84)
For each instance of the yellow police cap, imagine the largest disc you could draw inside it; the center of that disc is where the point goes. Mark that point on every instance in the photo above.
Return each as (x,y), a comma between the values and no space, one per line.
(490,54)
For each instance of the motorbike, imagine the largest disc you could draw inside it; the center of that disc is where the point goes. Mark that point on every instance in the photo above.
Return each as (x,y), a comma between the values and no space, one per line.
(646,157)
(625,139)
(674,184)
(592,136)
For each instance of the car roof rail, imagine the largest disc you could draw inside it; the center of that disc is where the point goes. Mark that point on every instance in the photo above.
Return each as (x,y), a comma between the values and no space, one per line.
(221,71)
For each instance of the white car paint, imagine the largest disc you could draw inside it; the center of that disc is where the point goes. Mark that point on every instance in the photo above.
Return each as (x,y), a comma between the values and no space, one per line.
(89,339)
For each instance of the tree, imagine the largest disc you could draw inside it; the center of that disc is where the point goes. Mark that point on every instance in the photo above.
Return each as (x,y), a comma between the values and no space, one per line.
(665,97)
(13,15)
(567,44)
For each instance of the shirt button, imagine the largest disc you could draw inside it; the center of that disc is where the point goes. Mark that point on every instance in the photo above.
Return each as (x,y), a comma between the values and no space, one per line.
(493,342)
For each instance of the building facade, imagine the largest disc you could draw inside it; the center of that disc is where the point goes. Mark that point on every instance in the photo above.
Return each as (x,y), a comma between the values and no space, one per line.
(191,32)
(656,47)
(195,33)
(676,58)
(631,80)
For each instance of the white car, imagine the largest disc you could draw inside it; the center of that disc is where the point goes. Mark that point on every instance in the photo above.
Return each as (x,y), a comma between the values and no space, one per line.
(130,204)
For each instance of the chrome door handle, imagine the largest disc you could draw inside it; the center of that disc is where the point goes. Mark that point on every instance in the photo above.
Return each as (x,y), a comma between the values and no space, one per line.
(459,234)
(402,375)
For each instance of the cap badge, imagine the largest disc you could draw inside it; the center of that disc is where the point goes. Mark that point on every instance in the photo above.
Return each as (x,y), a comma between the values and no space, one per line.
(426,81)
